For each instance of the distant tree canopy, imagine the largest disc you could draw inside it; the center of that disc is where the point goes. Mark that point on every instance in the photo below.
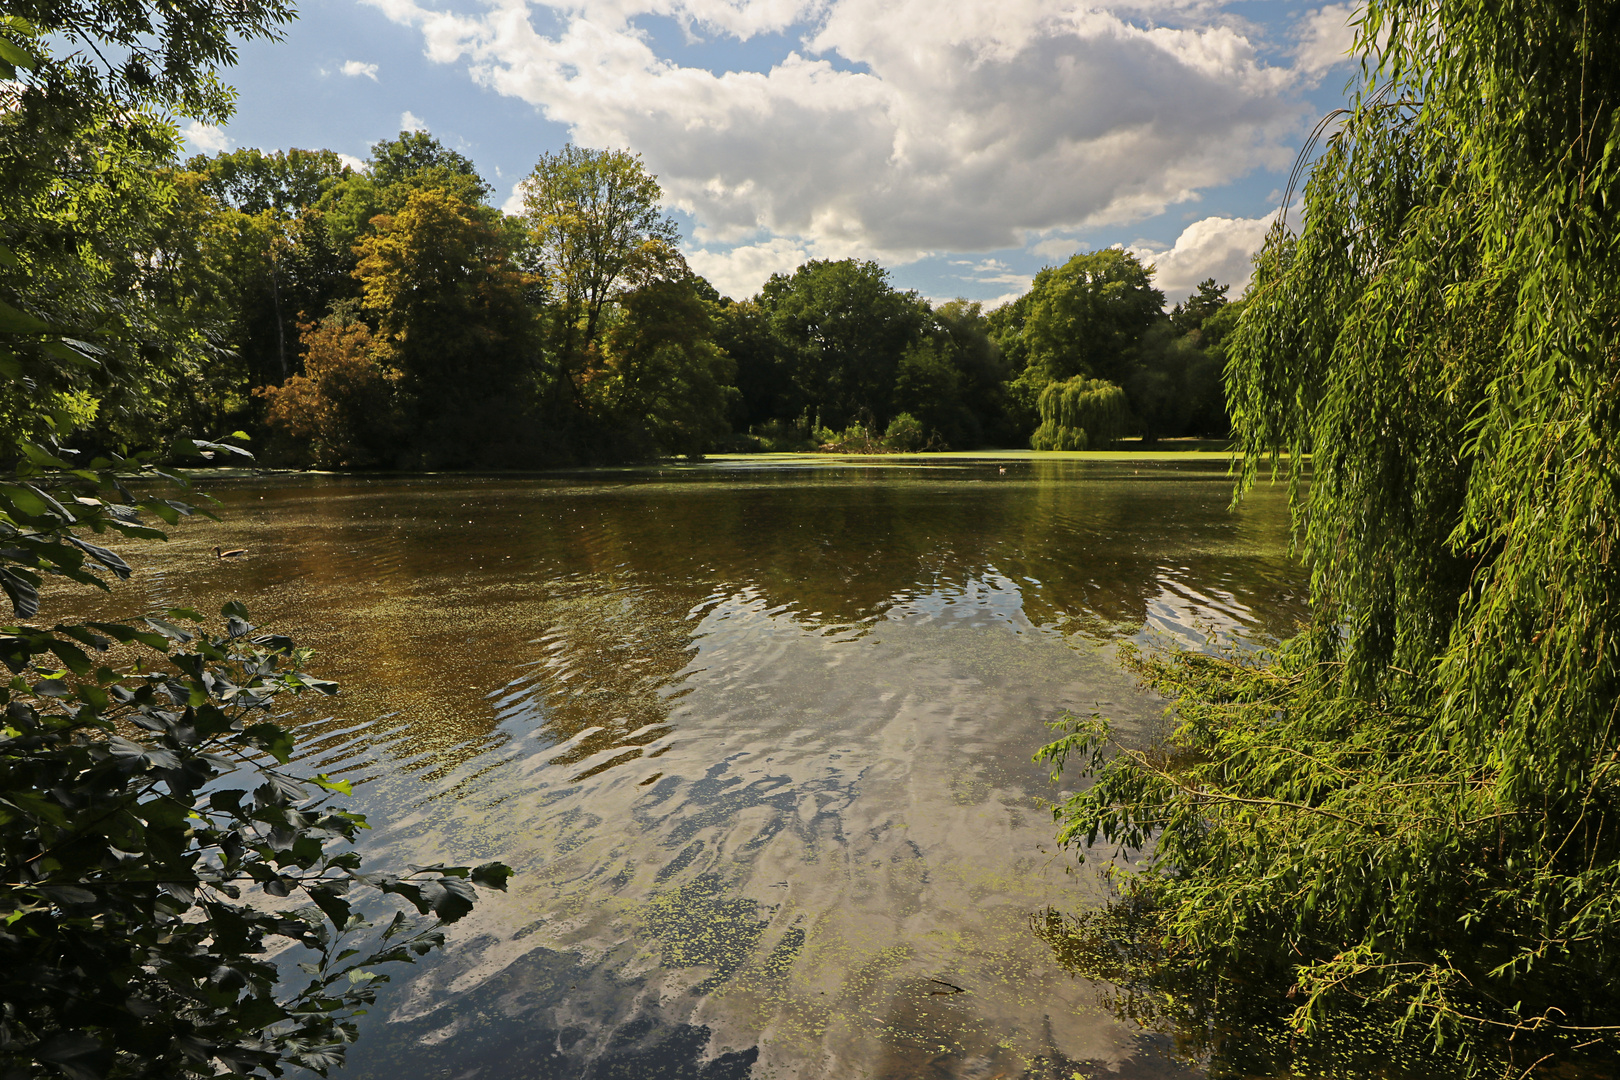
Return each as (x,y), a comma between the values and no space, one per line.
(417,159)
(495,339)
(286,181)
(596,231)
(662,377)
(1086,316)
(447,302)
(1099,317)
(845,329)
(468,334)
(835,343)
(1191,314)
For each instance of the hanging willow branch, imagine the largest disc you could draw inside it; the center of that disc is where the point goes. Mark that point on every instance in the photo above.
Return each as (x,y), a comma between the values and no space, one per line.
(1433,357)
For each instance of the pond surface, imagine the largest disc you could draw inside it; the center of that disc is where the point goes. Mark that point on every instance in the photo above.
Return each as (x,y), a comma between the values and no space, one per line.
(755,735)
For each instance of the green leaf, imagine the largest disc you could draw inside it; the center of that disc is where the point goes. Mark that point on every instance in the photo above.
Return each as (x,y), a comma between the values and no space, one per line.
(120,632)
(332,905)
(110,559)
(325,686)
(155,757)
(83,635)
(41,456)
(163,509)
(22,588)
(24,500)
(77,1054)
(208,448)
(492,875)
(258,1013)
(449,898)
(273,739)
(17,56)
(139,532)
(67,894)
(74,657)
(13,321)
(62,350)
(342,787)
(168,629)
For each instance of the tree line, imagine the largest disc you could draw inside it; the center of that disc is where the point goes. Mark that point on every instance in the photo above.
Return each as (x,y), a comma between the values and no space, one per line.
(390,317)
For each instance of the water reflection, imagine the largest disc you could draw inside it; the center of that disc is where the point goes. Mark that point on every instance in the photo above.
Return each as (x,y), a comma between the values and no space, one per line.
(757,740)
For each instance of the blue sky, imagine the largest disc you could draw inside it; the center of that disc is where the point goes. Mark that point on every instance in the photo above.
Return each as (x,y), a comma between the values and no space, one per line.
(962,144)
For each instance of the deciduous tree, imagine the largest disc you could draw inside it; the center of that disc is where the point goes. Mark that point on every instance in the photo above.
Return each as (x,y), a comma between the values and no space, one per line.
(1085,316)
(849,327)
(662,376)
(343,410)
(451,319)
(597,230)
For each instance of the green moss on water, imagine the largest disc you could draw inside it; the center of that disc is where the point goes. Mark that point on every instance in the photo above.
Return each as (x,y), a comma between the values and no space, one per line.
(696,925)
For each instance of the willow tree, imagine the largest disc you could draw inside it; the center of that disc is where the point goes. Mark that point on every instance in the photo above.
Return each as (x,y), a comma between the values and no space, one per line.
(1413,804)
(1080,414)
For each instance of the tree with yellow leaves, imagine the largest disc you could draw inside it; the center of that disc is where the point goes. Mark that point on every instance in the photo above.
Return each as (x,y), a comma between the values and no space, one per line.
(450,317)
(598,232)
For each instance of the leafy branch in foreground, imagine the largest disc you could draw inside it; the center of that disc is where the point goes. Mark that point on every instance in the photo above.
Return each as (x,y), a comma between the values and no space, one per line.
(42,516)
(148,829)
(154,846)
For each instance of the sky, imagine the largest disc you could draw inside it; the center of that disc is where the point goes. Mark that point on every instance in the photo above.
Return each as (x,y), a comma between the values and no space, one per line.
(963,144)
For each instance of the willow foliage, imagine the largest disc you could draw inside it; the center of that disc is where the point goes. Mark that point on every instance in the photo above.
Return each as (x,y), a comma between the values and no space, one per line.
(1080,414)
(1414,803)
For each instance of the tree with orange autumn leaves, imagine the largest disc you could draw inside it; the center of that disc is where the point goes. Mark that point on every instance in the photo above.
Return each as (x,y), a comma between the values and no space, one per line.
(442,377)
(342,411)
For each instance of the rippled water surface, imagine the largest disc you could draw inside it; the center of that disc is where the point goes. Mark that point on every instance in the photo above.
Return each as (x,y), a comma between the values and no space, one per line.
(756,736)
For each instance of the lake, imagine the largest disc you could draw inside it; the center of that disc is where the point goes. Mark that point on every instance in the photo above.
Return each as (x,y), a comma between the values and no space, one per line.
(755,733)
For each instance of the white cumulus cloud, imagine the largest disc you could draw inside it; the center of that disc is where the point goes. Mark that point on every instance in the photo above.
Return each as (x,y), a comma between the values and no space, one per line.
(409,121)
(514,202)
(1217,247)
(1058,249)
(899,127)
(1324,38)
(357,68)
(740,271)
(352,162)
(205,137)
